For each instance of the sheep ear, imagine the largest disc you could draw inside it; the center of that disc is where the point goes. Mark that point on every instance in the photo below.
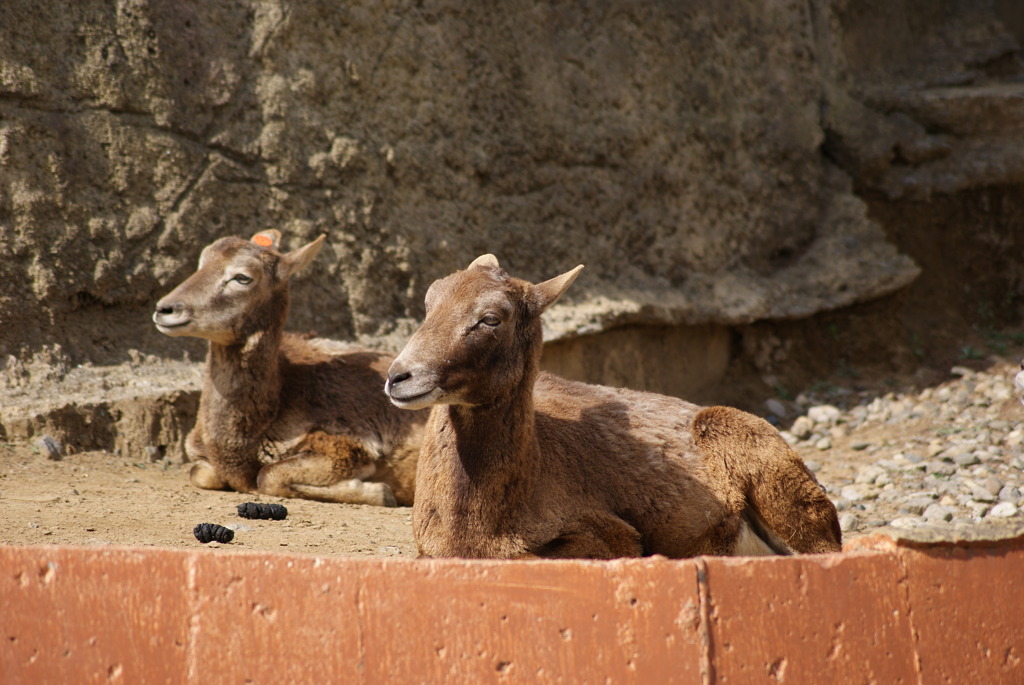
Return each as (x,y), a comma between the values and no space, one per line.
(485,260)
(299,259)
(547,293)
(269,238)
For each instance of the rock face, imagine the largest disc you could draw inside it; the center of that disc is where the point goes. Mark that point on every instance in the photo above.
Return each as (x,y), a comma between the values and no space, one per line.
(676,150)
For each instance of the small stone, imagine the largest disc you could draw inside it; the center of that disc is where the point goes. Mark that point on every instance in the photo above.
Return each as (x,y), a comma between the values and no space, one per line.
(848,522)
(802,427)
(978,509)
(889,494)
(940,468)
(860,445)
(937,512)
(775,407)
(851,493)
(869,475)
(824,444)
(841,504)
(916,505)
(1010,494)
(824,414)
(965,459)
(1003,510)
(907,522)
(980,494)
(812,466)
(993,485)
(50,448)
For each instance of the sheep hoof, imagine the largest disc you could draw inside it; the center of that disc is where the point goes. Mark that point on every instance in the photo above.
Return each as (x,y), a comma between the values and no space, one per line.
(204,476)
(350,492)
(381,494)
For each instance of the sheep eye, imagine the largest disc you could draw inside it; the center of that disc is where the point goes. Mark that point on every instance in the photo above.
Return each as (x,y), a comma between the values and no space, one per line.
(490,320)
(242,279)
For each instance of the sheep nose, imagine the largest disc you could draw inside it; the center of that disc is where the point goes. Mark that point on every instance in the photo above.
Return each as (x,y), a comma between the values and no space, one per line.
(396,378)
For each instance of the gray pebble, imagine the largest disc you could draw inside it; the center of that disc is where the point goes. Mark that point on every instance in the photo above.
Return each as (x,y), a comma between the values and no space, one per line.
(775,407)
(847,522)
(1010,494)
(978,509)
(50,448)
(824,414)
(980,494)
(917,505)
(937,512)
(908,522)
(993,485)
(968,466)
(965,459)
(1003,510)
(940,468)
(802,428)
(851,493)
(869,475)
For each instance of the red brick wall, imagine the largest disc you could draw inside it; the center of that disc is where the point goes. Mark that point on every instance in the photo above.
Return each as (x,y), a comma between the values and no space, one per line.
(880,613)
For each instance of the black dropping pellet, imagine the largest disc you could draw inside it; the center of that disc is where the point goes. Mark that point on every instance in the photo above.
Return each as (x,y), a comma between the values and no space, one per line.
(208,532)
(262,510)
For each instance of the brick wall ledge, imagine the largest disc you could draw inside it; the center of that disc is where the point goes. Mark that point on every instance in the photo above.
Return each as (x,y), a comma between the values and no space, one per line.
(885,611)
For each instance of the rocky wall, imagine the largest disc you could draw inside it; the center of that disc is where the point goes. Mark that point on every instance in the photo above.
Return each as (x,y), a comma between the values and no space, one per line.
(673,148)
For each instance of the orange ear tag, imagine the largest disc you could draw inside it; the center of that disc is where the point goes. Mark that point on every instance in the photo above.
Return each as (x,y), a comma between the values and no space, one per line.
(263,240)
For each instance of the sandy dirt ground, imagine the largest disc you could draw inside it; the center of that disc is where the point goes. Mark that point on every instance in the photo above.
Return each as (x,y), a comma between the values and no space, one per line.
(98,498)
(101,498)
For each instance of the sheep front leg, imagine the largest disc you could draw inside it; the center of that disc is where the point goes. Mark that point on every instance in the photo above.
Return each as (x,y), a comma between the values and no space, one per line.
(312,476)
(204,474)
(601,536)
(327,468)
(352,491)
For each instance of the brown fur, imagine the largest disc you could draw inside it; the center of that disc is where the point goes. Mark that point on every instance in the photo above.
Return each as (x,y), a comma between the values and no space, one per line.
(516,463)
(280,414)
(767,479)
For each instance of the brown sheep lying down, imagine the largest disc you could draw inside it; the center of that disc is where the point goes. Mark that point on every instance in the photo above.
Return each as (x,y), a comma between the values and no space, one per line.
(281,414)
(516,463)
